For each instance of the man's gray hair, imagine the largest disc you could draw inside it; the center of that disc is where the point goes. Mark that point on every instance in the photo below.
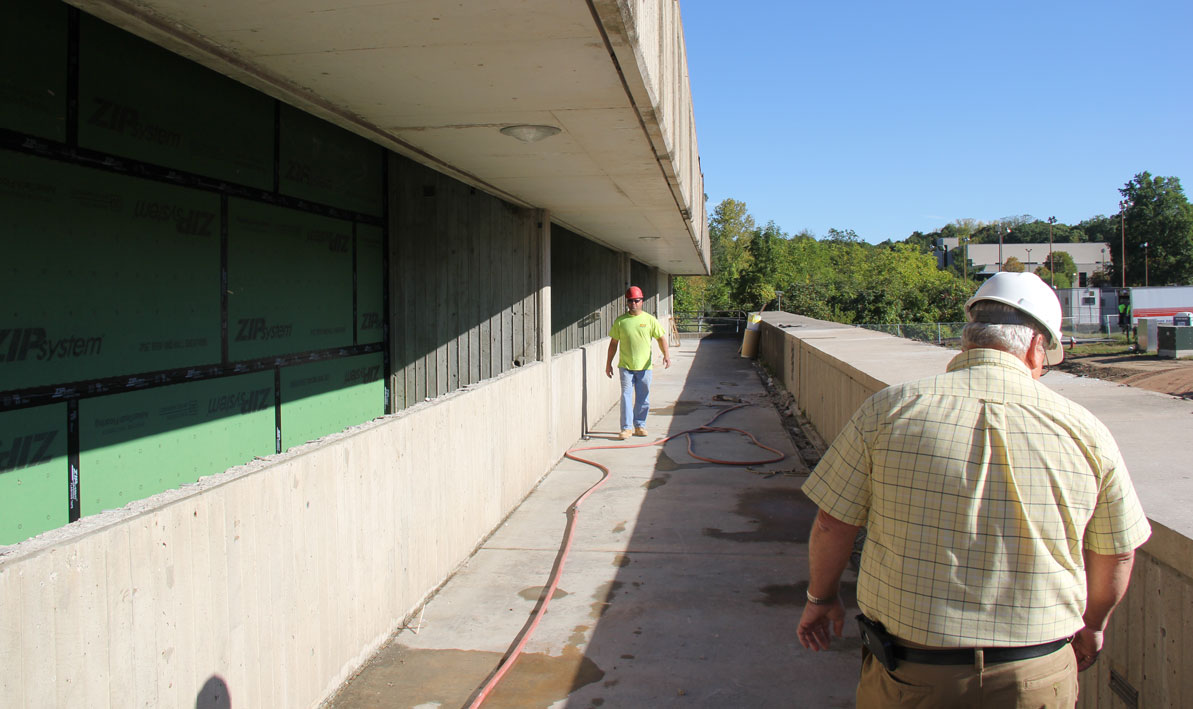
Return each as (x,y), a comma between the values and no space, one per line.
(1010,338)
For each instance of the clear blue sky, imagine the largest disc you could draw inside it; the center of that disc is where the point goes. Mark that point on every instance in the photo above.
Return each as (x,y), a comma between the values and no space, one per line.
(891,117)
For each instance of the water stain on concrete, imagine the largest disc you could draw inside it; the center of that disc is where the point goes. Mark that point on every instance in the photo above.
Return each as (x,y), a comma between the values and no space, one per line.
(450,678)
(622,560)
(605,593)
(533,593)
(656,482)
(729,384)
(679,408)
(781,515)
(619,528)
(607,590)
(795,594)
(579,637)
(666,463)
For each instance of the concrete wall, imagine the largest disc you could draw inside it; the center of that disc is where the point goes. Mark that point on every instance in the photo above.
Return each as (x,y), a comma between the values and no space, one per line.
(831,369)
(281,577)
(465,273)
(587,293)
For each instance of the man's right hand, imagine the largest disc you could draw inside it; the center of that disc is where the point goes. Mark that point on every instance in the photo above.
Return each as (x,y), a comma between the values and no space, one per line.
(1087,643)
(814,624)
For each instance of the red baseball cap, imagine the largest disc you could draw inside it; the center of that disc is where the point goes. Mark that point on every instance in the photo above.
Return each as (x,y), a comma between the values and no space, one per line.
(634,292)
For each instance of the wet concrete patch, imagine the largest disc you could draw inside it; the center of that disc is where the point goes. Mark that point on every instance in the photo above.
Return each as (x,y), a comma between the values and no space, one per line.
(781,516)
(533,593)
(579,637)
(656,482)
(603,596)
(403,676)
(679,408)
(795,594)
(668,464)
(619,528)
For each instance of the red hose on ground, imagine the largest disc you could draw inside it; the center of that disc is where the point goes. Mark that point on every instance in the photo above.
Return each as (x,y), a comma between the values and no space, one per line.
(574,511)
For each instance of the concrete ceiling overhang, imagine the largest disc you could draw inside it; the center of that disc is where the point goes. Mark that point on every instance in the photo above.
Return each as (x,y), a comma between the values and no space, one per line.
(436,81)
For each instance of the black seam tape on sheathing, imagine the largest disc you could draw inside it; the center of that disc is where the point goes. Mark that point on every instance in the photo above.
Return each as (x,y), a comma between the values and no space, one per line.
(90,388)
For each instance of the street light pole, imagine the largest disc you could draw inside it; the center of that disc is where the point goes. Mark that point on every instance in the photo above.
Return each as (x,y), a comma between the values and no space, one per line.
(998,229)
(1051,263)
(1122,217)
(1145,264)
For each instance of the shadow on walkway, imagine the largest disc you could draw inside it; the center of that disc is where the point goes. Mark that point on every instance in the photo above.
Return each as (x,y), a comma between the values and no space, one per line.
(683,586)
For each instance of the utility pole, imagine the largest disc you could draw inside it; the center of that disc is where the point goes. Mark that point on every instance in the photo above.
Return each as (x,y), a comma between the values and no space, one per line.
(1051,263)
(998,230)
(1122,217)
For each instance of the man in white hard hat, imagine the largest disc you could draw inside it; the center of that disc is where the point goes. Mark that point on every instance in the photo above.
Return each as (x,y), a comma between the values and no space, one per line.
(1001,522)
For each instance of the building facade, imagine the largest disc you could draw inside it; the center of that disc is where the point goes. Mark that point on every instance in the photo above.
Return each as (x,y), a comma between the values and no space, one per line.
(301,301)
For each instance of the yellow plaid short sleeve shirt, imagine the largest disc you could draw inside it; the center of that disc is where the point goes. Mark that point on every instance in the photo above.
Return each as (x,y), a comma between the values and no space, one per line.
(979,489)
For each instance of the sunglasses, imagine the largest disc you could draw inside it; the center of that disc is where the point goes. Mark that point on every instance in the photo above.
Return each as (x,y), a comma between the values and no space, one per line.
(634,300)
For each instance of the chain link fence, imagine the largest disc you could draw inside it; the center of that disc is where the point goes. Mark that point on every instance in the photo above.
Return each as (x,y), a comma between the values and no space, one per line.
(937,333)
(730,322)
(949,333)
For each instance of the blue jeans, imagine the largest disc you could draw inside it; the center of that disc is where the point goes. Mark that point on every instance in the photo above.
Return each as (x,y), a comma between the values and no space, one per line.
(635,397)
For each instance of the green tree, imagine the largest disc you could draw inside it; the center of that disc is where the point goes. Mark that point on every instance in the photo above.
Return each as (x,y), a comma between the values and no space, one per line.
(755,286)
(1063,265)
(729,231)
(1157,214)
(1013,265)
(1059,280)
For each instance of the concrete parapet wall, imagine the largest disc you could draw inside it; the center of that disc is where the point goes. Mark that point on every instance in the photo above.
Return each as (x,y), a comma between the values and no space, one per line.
(279,578)
(831,369)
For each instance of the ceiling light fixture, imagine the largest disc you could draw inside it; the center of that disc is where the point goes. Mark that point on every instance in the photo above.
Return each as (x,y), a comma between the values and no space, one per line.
(529,133)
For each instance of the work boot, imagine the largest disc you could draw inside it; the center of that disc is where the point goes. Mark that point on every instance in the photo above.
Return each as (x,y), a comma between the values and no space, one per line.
(625,434)
(640,431)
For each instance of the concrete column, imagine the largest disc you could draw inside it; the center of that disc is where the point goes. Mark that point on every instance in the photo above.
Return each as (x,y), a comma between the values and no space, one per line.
(543,224)
(542,219)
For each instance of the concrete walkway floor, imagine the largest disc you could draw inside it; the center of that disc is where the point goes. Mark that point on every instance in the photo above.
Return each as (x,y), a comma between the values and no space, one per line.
(683,586)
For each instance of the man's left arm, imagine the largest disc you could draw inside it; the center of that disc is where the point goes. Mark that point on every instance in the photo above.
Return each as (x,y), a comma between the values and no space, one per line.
(666,355)
(1106,579)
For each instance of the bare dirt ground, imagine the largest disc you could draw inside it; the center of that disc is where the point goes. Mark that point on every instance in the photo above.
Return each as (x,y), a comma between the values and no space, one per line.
(1167,376)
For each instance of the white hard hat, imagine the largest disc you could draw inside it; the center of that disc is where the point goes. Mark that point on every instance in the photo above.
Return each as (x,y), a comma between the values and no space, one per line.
(1030,296)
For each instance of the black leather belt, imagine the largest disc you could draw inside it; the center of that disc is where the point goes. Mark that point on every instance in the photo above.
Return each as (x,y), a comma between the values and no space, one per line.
(965,656)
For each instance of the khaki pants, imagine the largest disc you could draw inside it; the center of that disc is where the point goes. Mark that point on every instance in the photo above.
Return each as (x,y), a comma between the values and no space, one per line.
(1045,682)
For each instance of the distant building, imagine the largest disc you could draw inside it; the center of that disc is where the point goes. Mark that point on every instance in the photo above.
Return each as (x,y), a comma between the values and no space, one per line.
(1088,257)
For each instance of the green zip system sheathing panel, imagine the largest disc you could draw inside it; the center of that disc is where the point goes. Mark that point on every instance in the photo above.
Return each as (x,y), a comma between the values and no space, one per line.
(33,99)
(322,163)
(140,443)
(139,101)
(327,397)
(289,281)
(194,272)
(115,274)
(370,300)
(32,471)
